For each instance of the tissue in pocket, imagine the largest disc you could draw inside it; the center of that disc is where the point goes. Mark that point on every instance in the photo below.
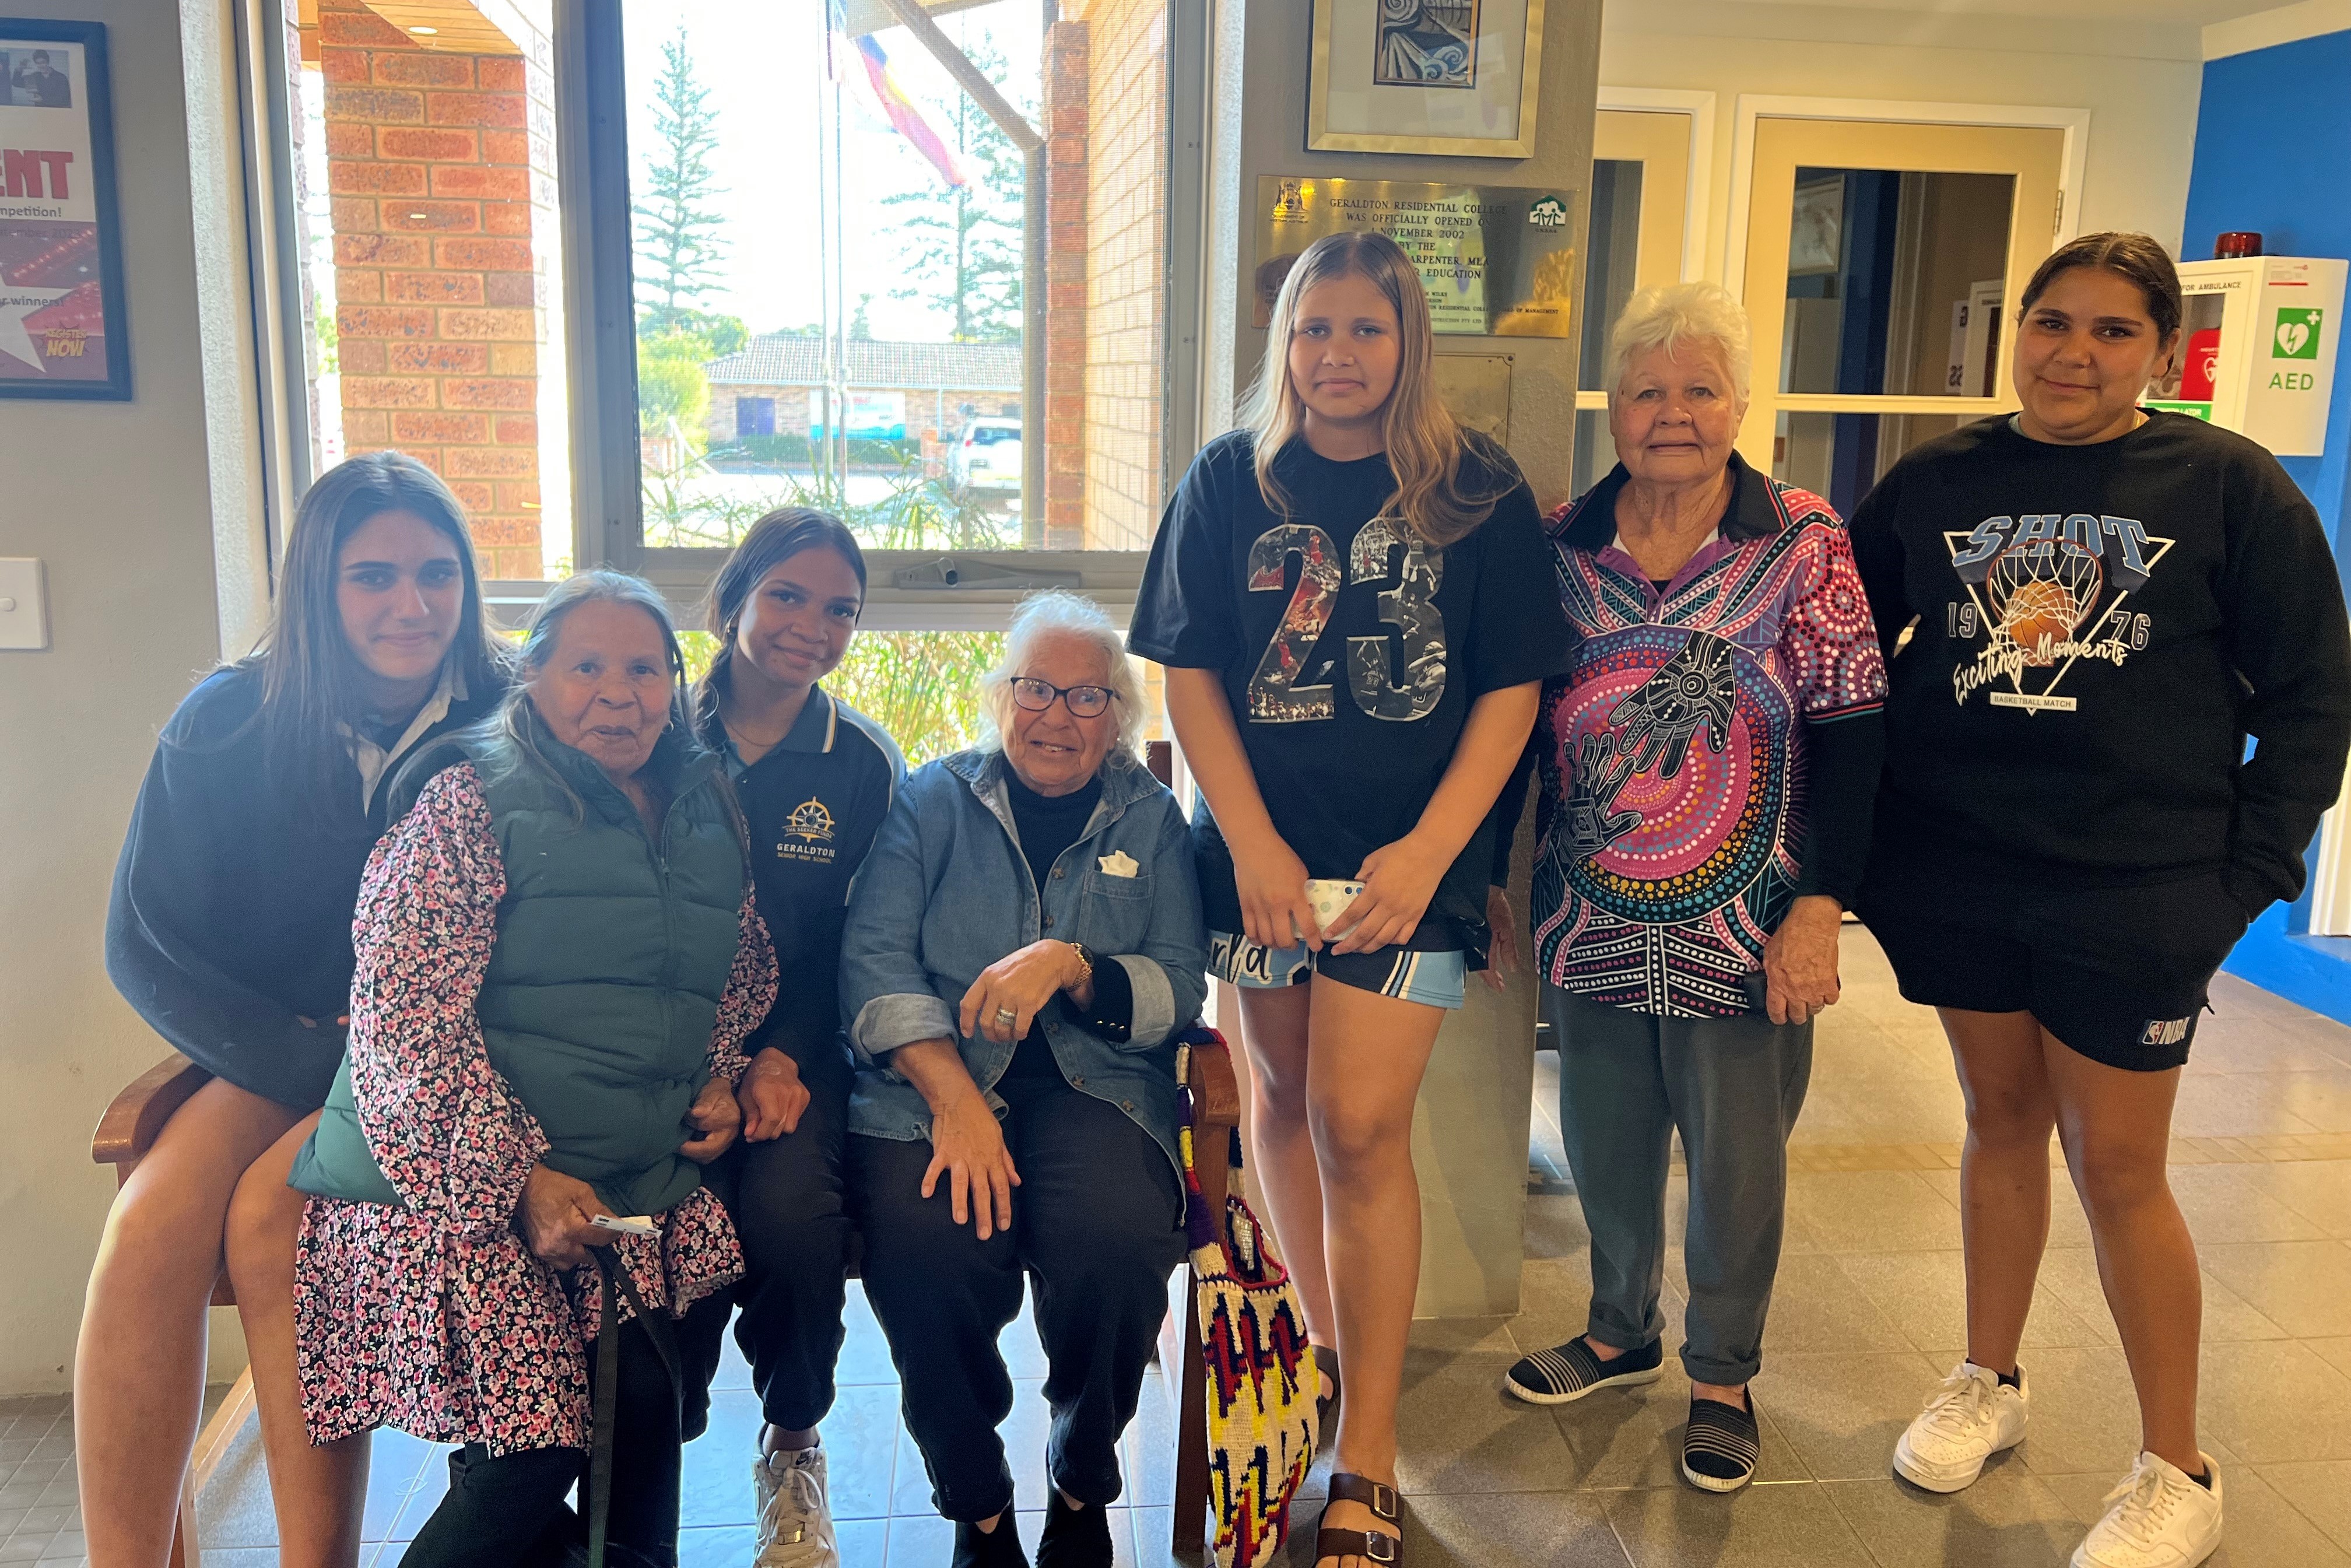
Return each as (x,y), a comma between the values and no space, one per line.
(1329,896)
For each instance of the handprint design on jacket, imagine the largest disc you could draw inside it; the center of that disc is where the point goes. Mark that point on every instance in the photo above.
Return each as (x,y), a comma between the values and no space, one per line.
(1650,728)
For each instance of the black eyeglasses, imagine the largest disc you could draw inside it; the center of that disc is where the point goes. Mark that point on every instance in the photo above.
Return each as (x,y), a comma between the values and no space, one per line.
(1084,702)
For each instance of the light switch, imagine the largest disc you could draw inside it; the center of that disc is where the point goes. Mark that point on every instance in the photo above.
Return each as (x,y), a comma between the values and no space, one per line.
(23,622)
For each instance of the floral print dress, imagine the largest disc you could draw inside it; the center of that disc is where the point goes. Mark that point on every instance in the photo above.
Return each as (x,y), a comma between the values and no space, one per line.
(438,1319)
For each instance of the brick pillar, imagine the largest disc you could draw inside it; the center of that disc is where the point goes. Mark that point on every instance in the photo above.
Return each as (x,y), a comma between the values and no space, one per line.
(429,166)
(1066,119)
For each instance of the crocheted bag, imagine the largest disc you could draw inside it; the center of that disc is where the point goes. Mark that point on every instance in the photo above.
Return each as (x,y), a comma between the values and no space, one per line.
(1260,1393)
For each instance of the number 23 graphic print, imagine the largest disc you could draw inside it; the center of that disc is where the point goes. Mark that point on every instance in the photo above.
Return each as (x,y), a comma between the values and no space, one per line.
(1275,693)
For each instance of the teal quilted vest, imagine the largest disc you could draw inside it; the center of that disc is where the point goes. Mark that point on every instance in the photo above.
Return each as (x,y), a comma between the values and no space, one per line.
(613,950)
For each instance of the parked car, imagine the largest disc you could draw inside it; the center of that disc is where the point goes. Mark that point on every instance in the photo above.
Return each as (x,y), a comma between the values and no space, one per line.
(989,455)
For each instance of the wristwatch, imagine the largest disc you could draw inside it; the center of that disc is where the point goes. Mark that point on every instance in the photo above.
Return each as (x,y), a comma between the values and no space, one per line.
(1085,963)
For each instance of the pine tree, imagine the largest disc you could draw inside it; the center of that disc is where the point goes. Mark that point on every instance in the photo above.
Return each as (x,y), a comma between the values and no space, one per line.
(963,248)
(679,242)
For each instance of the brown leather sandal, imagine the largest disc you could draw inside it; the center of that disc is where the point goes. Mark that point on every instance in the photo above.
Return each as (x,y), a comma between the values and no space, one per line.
(1370,1545)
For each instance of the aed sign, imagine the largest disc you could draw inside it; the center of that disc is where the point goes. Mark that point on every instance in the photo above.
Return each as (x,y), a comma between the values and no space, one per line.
(2295,336)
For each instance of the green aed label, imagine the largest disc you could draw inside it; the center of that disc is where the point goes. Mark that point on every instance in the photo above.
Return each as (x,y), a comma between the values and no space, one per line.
(2293,381)
(2296,337)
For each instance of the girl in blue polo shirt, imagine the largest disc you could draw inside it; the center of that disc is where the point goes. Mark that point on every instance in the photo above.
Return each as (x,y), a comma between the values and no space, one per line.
(815,778)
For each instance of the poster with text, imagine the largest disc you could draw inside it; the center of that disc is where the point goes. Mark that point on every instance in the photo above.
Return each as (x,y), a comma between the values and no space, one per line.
(62,327)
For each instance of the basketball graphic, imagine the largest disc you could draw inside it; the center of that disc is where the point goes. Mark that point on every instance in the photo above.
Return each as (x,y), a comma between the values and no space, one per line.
(2040,593)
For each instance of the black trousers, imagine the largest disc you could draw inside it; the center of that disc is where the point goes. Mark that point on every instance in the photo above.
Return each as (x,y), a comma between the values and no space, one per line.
(1097,1224)
(511,1511)
(788,1199)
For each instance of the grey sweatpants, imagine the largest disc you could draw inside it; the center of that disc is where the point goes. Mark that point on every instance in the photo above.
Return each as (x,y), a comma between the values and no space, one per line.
(1732,1087)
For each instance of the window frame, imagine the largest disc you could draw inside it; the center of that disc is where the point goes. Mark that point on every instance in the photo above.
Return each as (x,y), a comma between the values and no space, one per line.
(592,152)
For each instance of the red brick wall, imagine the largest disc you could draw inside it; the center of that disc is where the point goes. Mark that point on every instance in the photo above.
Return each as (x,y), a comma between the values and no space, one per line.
(1066,119)
(429,168)
(1125,270)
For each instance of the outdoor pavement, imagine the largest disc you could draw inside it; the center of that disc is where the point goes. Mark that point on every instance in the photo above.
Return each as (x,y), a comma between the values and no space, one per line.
(1867,1315)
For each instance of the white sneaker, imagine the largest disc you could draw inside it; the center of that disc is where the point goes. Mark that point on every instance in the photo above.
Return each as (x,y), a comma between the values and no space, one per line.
(795,1521)
(2158,1518)
(1970,1417)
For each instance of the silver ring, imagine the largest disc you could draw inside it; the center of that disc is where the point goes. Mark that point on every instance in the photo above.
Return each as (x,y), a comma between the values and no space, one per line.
(1005,1015)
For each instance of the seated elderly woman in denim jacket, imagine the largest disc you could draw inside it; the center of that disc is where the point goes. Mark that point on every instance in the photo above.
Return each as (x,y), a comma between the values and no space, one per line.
(1023,942)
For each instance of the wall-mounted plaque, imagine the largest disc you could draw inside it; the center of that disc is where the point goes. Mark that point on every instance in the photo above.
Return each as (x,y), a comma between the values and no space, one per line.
(1497,261)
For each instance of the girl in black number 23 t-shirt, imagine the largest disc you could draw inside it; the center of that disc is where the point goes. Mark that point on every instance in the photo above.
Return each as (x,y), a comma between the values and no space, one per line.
(1355,609)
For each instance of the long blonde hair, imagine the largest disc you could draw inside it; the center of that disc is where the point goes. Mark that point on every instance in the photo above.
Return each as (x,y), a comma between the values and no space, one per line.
(1423,441)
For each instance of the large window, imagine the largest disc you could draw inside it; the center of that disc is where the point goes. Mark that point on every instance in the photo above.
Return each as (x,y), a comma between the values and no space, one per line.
(413,230)
(915,274)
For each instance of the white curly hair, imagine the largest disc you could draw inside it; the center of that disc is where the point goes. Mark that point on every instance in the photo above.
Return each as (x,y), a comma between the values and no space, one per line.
(1705,315)
(1059,614)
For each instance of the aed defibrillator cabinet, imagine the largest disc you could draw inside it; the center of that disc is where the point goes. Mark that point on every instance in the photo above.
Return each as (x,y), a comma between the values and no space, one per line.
(2257,348)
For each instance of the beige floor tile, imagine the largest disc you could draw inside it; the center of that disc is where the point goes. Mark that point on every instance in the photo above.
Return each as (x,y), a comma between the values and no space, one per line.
(1816,1306)
(2321,1099)
(2274,1402)
(1460,1433)
(1631,1437)
(1870,1211)
(1488,1334)
(2320,1488)
(2007,1520)
(1924,1294)
(1840,1414)
(1761,1526)
(2304,1287)
(2071,1274)
(1556,1530)
(2237,1105)
(2263,1529)
(2248,1044)
(2319,1190)
(2221,1203)
(2084,1415)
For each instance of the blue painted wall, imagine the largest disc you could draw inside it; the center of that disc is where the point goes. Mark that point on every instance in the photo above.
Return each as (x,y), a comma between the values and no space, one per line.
(2273,153)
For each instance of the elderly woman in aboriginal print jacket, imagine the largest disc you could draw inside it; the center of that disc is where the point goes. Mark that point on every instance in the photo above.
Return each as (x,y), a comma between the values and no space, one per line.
(559,962)
(1707,768)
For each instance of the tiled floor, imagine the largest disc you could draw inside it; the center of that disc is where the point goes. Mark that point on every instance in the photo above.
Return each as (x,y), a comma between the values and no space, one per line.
(1867,1314)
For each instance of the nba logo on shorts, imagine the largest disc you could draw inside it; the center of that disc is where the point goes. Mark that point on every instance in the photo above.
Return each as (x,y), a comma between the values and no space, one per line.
(2165,1032)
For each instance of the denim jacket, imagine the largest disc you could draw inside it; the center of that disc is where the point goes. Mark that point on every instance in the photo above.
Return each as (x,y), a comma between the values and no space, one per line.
(945,891)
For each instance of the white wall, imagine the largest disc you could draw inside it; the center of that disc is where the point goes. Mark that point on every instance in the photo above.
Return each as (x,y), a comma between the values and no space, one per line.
(113,498)
(2140,83)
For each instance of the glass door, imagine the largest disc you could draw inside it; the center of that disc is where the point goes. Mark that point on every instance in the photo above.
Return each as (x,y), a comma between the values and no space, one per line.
(1640,211)
(1883,259)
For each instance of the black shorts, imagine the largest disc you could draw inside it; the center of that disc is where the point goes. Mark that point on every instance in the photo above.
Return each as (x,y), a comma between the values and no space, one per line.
(2116,973)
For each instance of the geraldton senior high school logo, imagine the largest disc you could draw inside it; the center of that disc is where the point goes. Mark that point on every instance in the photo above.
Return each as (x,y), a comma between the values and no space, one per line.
(808,833)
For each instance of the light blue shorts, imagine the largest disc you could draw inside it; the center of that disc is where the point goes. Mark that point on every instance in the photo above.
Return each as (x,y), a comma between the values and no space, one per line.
(1435,978)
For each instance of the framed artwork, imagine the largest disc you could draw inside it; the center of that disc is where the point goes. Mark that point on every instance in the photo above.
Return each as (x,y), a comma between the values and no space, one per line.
(1816,232)
(62,296)
(1454,78)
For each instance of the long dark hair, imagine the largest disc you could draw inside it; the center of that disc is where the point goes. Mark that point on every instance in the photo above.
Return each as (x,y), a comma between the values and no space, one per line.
(311,680)
(766,545)
(2138,257)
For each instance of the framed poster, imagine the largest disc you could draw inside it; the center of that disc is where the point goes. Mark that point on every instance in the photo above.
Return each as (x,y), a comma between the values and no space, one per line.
(61,296)
(1445,77)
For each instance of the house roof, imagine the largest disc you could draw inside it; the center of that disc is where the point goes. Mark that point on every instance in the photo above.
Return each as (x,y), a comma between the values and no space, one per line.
(788,359)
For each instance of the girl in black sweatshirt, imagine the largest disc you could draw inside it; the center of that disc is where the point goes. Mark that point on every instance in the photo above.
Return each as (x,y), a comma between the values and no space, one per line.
(230,932)
(2102,603)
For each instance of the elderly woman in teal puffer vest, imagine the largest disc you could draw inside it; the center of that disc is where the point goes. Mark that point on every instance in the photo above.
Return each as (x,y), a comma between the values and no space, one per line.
(559,962)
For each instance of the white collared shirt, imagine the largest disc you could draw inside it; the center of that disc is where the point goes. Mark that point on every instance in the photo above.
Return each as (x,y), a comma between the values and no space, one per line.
(375,761)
